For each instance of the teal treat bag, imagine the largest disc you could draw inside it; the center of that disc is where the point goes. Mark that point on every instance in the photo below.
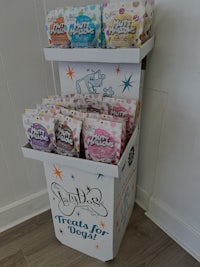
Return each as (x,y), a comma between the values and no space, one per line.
(83,32)
(84,26)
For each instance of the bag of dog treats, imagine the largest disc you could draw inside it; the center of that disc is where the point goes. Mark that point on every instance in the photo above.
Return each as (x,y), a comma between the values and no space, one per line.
(43,106)
(112,119)
(40,131)
(102,140)
(96,106)
(62,101)
(123,23)
(67,134)
(51,112)
(56,28)
(124,108)
(79,115)
(76,114)
(148,18)
(87,97)
(84,26)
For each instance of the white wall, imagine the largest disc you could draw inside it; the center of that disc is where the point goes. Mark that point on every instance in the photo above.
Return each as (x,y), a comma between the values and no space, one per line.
(168,182)
(24,79)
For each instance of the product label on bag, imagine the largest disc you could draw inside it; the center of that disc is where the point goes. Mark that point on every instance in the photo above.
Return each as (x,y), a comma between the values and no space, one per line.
(82,31)
(64,137)
(39,135)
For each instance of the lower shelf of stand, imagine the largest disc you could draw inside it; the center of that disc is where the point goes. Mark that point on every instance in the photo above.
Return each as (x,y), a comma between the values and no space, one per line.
(88,165)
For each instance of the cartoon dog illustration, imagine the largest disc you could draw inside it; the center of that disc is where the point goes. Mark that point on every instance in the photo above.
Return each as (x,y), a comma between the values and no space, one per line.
(90,82)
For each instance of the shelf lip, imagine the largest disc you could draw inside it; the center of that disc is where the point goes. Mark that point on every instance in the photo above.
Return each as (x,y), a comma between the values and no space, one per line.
(100,55)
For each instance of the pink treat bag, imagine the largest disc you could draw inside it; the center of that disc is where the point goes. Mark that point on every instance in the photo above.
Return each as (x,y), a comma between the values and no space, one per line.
(102,140)
(124,108)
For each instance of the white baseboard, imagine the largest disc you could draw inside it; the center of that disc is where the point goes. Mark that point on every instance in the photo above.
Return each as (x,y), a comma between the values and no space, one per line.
(23,209)
(142,198)
(167,219)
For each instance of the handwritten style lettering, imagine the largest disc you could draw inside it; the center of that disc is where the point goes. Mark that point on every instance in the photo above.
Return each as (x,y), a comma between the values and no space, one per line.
(62,220)
(122,27)
(39,134)
(64,136)
(84,234)
(118,113)
(82,229)
(58,28)
(68,202)
(100,140)
(82,28)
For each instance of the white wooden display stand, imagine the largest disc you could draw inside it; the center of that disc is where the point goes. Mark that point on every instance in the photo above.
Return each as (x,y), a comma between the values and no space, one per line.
(91,202)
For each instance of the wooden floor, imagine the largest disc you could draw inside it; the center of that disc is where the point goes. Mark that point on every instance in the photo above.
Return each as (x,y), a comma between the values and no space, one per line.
(33,244)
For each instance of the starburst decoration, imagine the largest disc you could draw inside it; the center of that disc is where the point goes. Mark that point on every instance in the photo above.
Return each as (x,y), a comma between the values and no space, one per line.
(127,83)
(72,176)
(99,175)
(70,72)
(58,173)
(117,69)
(102,224)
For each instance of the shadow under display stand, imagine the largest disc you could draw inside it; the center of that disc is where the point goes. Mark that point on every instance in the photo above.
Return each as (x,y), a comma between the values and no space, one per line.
(91,202)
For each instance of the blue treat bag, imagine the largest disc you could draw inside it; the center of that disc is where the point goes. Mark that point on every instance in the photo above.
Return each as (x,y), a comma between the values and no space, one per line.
(84,26)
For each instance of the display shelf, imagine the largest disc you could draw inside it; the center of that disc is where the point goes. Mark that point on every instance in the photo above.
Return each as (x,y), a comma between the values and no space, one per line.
(119,55)
(82,164)
(87,196)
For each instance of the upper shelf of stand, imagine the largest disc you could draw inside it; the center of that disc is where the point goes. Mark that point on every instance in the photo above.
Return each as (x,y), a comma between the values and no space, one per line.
(119,55)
